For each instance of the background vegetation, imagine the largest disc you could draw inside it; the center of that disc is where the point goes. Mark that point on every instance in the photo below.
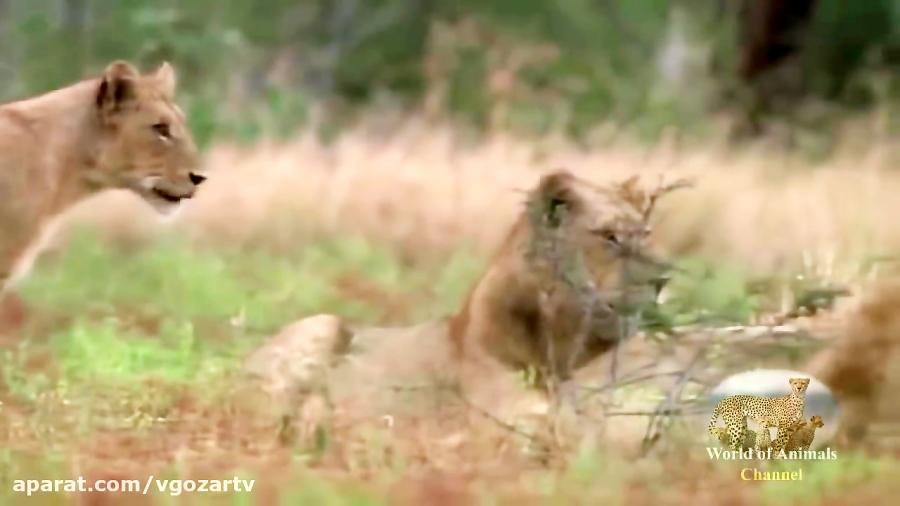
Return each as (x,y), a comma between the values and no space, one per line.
(535,66)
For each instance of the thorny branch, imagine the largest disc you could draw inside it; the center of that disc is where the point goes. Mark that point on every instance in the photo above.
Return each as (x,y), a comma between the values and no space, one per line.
(567,266)
(488,415)
(668,412)
(630,381)
(668,404)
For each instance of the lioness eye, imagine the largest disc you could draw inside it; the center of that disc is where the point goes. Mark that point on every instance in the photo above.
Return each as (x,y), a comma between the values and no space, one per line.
(162,129)
(608,235)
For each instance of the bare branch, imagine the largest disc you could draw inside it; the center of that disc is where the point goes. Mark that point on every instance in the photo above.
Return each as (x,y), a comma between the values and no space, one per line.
(668,404)
(664,189)
(667,412)
(485,413)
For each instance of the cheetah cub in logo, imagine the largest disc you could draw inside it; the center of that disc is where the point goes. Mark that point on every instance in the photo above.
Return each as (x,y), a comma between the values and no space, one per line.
(803,434)
(784,411)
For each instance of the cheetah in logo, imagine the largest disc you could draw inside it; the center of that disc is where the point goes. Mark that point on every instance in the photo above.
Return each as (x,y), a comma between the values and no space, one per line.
(784,411)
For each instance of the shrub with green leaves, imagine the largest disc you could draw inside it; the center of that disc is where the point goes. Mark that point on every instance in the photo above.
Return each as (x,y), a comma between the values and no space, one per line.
(704,293)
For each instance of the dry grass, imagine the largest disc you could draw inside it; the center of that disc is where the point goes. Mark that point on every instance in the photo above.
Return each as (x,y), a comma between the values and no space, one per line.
(427,191)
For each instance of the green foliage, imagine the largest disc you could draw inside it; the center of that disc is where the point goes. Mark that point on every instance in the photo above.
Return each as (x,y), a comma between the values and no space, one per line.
(249,70)
(177,313)
(313,491)
(466,95)
(382,52)
(105,351)
(15,376)
(125,335)
(453,282)
(843,35)
(823,478)
(700,292)
(172,281)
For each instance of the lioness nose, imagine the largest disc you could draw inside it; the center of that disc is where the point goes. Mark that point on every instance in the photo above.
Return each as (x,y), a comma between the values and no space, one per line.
(196,178)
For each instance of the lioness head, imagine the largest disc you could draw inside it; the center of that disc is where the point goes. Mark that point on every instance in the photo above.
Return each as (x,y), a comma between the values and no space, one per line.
(597,239)
(798,385)
(145,143)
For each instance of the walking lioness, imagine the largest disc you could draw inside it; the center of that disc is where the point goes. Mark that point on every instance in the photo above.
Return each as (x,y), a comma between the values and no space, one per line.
(121,130)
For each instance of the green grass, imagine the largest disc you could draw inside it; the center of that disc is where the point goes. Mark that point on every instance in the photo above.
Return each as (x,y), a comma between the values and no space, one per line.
(181,315)
(827,478)
(313,491)
(117,338)
(704,293)
(260,290)
(177,313)
(107,352)
(121,334)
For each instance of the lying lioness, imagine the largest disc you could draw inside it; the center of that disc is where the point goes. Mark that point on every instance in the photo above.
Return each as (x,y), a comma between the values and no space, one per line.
(568,283)
(121,130)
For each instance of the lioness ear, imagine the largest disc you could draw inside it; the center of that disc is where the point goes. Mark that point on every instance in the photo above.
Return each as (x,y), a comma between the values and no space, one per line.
(117,87)
(629,190)
(554,197)
(662,190)
(165,76)
(630,185)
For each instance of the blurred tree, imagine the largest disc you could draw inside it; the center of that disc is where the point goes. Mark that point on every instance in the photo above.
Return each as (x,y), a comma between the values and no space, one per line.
(248,68)
(6,67)
(772,30)
(844,35)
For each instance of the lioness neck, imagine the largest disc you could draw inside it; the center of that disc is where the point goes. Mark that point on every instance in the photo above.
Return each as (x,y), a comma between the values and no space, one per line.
(64,124)
(502,314)
(45,150)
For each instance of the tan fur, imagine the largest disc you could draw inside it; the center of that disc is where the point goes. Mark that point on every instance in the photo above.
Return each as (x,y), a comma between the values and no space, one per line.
(859,365)
(121,130)
(574,245)
(568,282)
